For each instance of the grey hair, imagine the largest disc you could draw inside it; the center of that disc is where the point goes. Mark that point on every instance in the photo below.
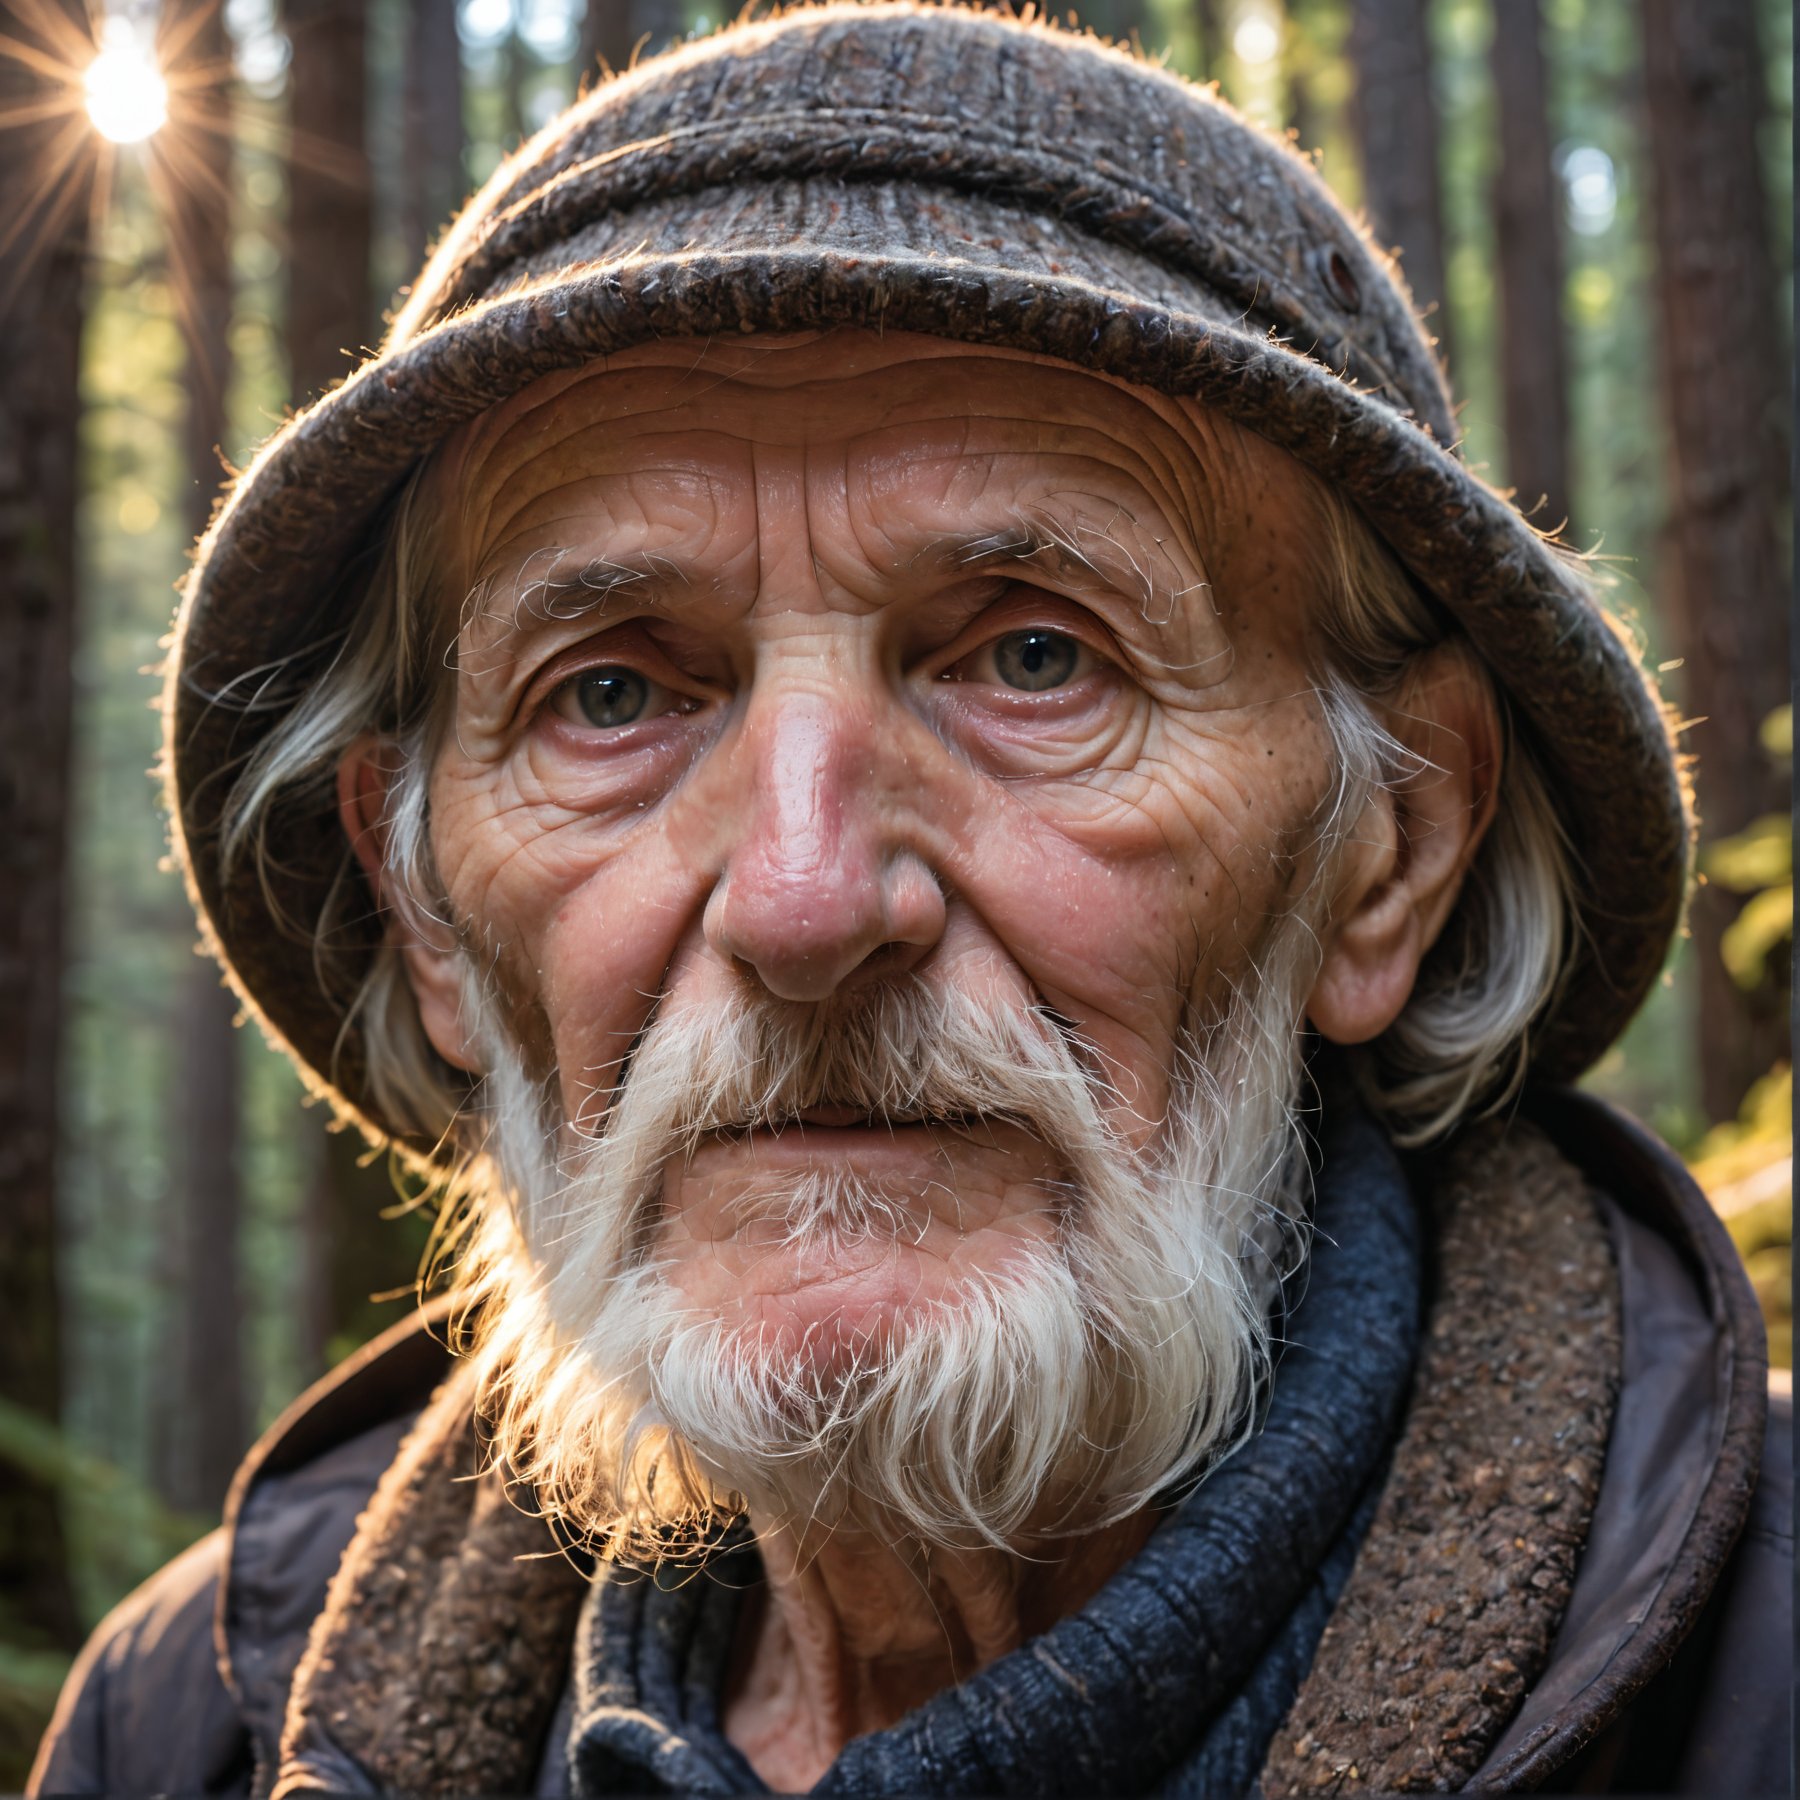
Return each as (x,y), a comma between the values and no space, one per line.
(1460,1046)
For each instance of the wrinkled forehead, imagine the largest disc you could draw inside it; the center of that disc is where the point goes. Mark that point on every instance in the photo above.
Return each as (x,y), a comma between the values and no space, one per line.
(929,442)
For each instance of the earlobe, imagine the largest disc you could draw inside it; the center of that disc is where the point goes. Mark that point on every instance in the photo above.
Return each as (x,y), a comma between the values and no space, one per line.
(1371,943)
(426,945)
(1410,851)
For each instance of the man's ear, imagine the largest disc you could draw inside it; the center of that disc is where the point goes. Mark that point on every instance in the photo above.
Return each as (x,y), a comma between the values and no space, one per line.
(427,945)
(1407,855)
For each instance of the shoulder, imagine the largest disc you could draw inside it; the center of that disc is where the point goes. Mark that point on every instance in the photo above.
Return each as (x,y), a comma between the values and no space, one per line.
(1727,1692)
(145,1708)
(1649,1678)
(182,1687)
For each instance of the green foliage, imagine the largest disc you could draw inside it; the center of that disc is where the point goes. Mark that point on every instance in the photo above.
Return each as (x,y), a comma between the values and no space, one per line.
(1754,936)
(29,1683)
(34,1446)
(1759,861)
(1746,1166)
(1777,733)
(1760,856)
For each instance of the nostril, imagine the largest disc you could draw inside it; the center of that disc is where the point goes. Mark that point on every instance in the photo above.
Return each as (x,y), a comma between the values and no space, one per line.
(887,960)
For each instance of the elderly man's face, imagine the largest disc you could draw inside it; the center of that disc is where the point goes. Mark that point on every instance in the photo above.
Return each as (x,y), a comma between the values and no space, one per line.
(808,667)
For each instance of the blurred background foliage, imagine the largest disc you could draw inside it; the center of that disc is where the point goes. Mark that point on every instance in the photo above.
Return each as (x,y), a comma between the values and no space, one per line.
(192,1297)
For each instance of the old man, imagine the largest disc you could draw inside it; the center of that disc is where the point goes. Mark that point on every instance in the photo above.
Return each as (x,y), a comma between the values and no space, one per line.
(887,734)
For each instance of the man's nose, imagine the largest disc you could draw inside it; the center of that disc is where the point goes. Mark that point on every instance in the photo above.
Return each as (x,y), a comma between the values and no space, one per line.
(821,890)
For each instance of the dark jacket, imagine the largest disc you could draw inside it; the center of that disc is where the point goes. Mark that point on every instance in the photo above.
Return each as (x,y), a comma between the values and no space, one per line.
(1670,1673)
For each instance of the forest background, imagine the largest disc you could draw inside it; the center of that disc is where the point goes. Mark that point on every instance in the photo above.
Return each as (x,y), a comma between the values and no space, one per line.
(1592,200)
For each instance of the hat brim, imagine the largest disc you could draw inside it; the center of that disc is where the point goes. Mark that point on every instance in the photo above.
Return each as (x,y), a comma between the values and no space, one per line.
(275,576)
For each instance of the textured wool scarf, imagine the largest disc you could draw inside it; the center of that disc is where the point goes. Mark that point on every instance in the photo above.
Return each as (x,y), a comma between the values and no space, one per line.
(1173,1679)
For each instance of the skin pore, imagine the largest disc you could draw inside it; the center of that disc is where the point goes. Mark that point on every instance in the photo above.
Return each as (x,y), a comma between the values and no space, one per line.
(814,662)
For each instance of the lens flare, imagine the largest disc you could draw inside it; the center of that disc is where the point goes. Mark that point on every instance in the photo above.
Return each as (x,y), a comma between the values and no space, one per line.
(127,98)
(1257,39)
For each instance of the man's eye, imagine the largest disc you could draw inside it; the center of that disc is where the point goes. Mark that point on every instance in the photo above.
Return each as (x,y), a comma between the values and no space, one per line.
(1034,661)
(610,697)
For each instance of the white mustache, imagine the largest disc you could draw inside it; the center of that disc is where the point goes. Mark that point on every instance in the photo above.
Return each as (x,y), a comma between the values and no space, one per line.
(906,1051)
(901,1053)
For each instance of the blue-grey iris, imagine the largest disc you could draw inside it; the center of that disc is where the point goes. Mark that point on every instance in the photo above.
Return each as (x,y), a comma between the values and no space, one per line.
(1035,660)
(612,696)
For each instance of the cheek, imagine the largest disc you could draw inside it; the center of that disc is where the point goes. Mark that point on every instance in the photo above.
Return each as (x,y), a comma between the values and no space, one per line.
(606,955)
(580,916)
(1126,900)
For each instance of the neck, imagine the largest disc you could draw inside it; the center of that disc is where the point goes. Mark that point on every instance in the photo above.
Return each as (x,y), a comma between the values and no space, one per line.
(849,1636)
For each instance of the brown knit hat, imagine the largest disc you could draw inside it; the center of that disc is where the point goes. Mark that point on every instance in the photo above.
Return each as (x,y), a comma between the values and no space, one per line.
(932,170)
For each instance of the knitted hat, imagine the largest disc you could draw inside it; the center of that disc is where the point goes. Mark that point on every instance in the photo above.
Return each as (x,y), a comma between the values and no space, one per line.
(925,169)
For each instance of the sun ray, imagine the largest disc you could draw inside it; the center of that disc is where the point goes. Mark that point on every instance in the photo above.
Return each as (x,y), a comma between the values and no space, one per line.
(38,112)
(42,62)
(44,207)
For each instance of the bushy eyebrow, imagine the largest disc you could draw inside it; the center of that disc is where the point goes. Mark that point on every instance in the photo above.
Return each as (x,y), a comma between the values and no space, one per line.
(543,591)
(1032,540)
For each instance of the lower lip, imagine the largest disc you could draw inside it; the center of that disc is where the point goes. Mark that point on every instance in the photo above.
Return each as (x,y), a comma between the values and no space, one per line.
(801,1144)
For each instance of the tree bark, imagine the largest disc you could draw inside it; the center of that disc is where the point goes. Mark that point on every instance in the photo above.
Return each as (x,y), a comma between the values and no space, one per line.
(41,296)
(331,305)
(331,312)
(660,23)
(1210,38)
(1528,231)
(216,1414)
(514,66)
(1109,18)
(605,36)
(371,1261)
(1725,381)
(192,161)
(436,184)
(1394,116)
(1299,54)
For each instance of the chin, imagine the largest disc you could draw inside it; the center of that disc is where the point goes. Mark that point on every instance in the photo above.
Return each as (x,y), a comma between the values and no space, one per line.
(825,1249)
(826,1314)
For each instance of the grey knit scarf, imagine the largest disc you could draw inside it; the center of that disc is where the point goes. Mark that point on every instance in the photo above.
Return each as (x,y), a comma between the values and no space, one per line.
(1174,1678)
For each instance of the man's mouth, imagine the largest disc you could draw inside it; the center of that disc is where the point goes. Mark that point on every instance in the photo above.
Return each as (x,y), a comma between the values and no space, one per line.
(838,1117)
(849,1117)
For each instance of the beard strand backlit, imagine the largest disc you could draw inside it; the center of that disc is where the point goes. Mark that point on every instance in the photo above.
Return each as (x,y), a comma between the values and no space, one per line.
(1061,1393)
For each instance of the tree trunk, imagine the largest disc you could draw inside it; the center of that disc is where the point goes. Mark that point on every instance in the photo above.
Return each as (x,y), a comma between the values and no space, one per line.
(193,168)
(435,182)
(1110,18)
(660,22)
(1210,36)
(361,1267)
(1725,382)
(1528,228)
(216,1424)
(1299,59)
(330,305)
(605,36)
(372,1261)
(1395,119)
(516,125)
(40,344)
(331,313)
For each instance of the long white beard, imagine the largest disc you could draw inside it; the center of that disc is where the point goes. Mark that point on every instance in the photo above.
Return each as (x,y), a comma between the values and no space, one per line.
(1061,1394)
